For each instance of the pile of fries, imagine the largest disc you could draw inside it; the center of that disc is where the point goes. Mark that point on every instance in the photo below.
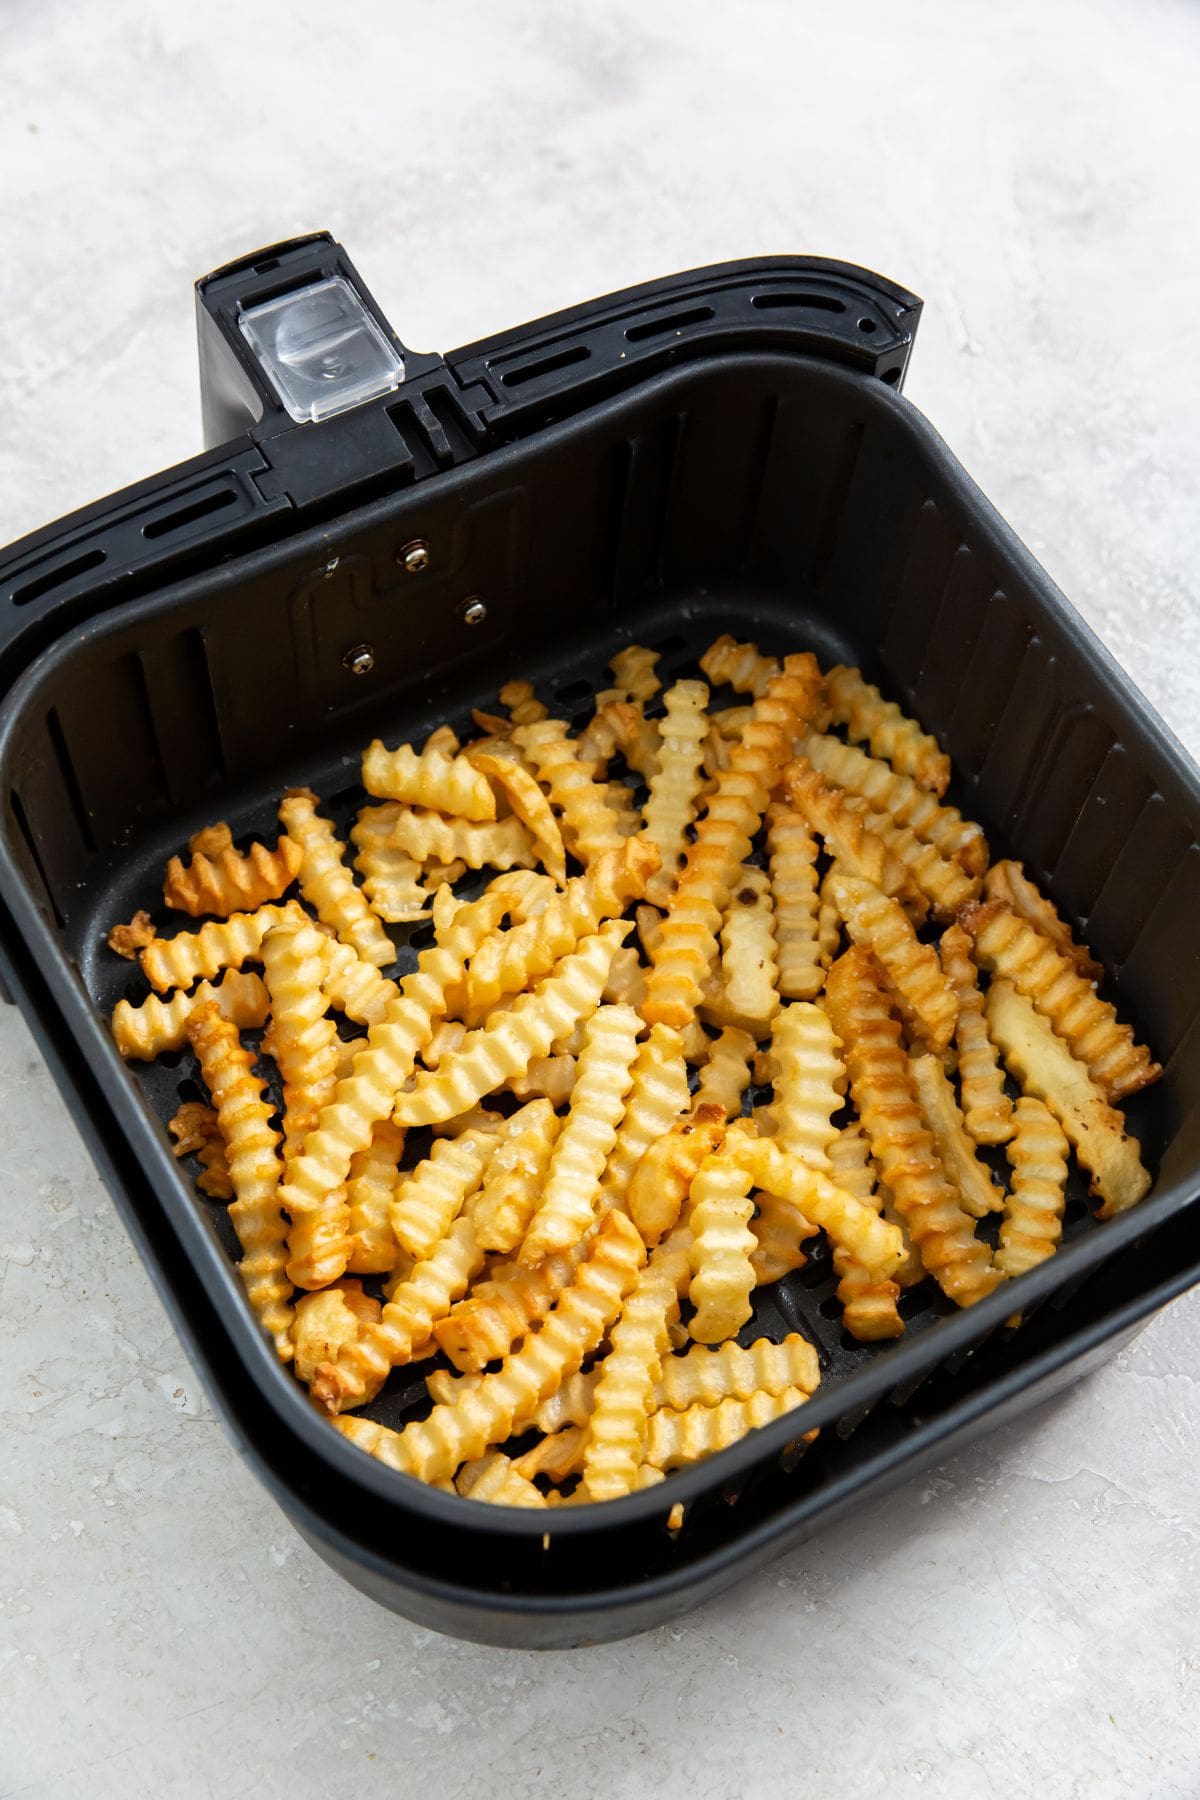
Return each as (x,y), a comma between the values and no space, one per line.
(534,1156)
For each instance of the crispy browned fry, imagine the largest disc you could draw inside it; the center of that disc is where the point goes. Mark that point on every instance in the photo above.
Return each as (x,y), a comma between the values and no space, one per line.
(369,1191)
(870,1306)
(911,968)
(327,1321)
(739,666)
(793,870)
(976,1189)
(663,1179)
(244,1113)
(498,1313)
(675,783)
(127,940)
(523,708)
(1008,882)
(1018,951)
(987,1109)
(447,784)
(674,1438)
(903,801)
(1037,1155)
(210,840)
(197,1132)
(747,982)
(451,844)
(327,883)
(495,1479)
(190,956)
(616,1431)
(1045,1068)
(157,1027)
(304,1039)
(528,803)
(936,883)
(882,1085)
(850,1225)
(633,734)
(229,882)
(556,1456)
(687,946)
(870,719)
(842,826)
(589,824)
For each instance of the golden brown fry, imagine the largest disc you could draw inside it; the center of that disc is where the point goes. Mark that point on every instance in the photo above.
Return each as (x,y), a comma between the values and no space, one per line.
(495,1479)
(529,805)
(633,734)
(326,1322)
(675,784)
(392,879)
(190,956)
(569,1405)
(657,1096)
(582,1147)
(304,1040)
(674,1438)
(443,738)
(725,1075)
(589,825)
(228,882)
(516,1175)
(663,1178)
(901,799)
(987,1109)
(1020,953)
(739,666)
(793,869)
(211,840)
(1008,882)
(722,1243)
(870,1310)
(882,1085)
(807,1078)
(197,1132)
(1045,1068)
(976,1189)
(327,884)
(369,1191)
(447,784)
(705,1377)
(912,969)
(523,708)
(499,1313)
(870,719)
(244,1112)
(1037,1155)
(842,825)
(431,837)
(850,1225)
(557,1456)
(616,1431)
(633,672)
(157,1027)
(747,994)
(127,940)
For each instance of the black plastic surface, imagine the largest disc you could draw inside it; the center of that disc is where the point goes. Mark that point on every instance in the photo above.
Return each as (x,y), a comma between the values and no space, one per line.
(773,495)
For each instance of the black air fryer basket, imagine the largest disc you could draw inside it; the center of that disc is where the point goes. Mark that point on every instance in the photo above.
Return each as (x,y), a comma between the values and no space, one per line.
(374,542)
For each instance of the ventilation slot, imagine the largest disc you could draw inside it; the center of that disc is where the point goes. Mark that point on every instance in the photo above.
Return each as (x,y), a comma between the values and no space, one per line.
(547,365)
(196,655)
(45,584)
(798,303)
(214,502)
(652,328)
(18,812)
(70,780)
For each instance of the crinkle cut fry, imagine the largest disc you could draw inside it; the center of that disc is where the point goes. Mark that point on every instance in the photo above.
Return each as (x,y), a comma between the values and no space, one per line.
(705,1377)
(516,1175)
(430,1197)
(721,1247)
(792,862)
(725,1077)
(1008,882)
(674,1438)
(747,991)
(157,1026)
(843,827)
(489,1413)
(1020,953)
(849,1224)
(739,666)
(528,803)
(675,784)
(633,672)
(657,1097)
(493,1478)
(190,956)
(327,883)
(484,1327)
(987,1109)
(373,1175)
(882,1086)
(228,882)
(616,1431)
(912,969)
(326,1321)
(687,945)
(197,1132)
(1037,1155)
(807,1075)
(976,1189)
(304,1039)
(244,1114)
(589,824)
(888,733)
(430,837)
(870,1309)
(901,799)
(505,1046)
(446,784)
(662,1180)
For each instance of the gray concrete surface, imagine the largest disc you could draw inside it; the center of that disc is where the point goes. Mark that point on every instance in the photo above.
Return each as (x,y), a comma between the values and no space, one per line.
(1024,1620)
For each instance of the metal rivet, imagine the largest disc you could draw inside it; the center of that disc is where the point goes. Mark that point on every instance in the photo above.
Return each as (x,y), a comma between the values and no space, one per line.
(414,558)
(474,610)
(359,659)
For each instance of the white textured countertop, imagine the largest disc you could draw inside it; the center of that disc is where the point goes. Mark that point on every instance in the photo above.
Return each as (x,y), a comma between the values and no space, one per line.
(1022,1621)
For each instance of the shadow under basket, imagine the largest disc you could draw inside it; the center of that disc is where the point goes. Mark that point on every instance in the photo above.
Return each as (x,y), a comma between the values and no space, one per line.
(725,451)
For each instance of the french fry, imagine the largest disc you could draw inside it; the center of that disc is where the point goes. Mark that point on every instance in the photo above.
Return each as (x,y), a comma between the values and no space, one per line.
(427,1201)
(616,1431)
(987,1109)
(582,1147)
(704,1377)
(747,995)
(431,837)
(355,987)
(228,882)
(326,1322)
(731,721)
(495,1479)
(507,1043)
(570,1405)
(687,946)
(976,1189)
(633,671)
(157,1027)
(792,852)
(499,1313)
(127,940)
(849,1223)
(634,735)
(523,707)
(657,1096)
(304,1040)
(529,805)
(675,784)
(414,1306)
(546,1078)
(558,1456)
(481,1120)
(211,840)
(391,878)
(327,883)
(197,1132)
(806,1074)
(1008,882)
(447,784)
(901,799)
(516,1174)
(373,1175)
(1020,953)
(725,1076)
(1044,1066)
(869,1306)
(443,738)
(739,666)
(882,1085)
(244,1114)
(722,1243)
(589,825)
(626,984)
(663,1179)
(446,1040)
(911,968)
(675,1438)
(1033,1210)
(833,816)
(777,1238)
(506,1400)
(888,733)
(190,956)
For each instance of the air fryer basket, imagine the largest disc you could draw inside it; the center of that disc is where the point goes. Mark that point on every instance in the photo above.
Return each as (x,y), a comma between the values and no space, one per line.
(178,656)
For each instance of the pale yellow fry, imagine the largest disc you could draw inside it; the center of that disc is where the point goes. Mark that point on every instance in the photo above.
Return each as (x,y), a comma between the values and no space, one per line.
(431,837)
(779,1231)
(739,666)
(230,882)
(158,1026)
(987,1109)
(326,1322)
(373,1175)
(327,883)
(557,1456)
(1045,1068)
(901,799)
(493,1478)
(506,1044)
(673,799)
(446,1040)
(634,735)
(244,1113)
(447,784)
(913,971)
(430,1197)
(570,1405)
(498,1313)
(626,984)
(657,1096)
(391,878)
(747,991)
(529,805)
(807,1078)
(616,1432)
(523,708)
(1033,1210)
(190,956)
(546,1078)
(674,1438)
(355,987)
(572,1190)
(662,1180)
(849,1224)
(976,1189)
(722,1242)
(889,734)
(1089,1026)
(443,738)
(725,1075)
(589,825)
(512,1189)
(633,671)
(506,1400)
(792,861)
(1007,881)
(304,1040)
(704,1377)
